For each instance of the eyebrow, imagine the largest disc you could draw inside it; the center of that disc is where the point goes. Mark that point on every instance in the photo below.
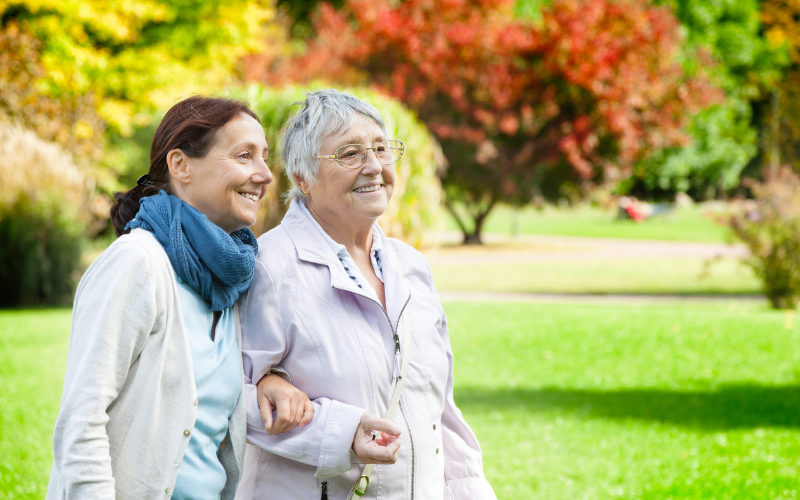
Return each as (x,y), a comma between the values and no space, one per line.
(250,145)
(359,139)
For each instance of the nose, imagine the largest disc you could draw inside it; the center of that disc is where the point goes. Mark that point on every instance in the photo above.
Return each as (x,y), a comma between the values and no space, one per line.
(371,164)
(262,173)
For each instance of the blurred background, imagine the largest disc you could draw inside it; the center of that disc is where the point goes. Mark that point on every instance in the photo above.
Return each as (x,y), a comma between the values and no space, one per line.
(606,190)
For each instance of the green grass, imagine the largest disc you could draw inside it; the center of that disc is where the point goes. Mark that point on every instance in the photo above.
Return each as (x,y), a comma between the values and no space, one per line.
(688,224)
(646,276)
(637,402)
(33,355)
(569,401)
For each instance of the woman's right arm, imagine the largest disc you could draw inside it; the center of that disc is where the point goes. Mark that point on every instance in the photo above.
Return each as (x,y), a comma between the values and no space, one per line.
(114,312)
(327,440)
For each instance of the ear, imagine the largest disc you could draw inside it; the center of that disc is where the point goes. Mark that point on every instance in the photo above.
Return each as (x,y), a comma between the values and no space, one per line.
(300,181)
(178,164)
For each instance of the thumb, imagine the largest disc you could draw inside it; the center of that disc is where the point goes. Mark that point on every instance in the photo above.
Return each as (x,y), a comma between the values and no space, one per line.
(379,424)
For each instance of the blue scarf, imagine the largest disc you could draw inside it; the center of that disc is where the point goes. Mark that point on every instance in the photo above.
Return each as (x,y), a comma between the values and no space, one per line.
(218,265)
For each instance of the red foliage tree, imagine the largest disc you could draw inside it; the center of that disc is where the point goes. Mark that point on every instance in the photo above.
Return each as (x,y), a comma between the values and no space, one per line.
(521,109)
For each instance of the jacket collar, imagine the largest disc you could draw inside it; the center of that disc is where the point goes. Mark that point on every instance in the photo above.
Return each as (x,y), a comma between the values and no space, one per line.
(312,247)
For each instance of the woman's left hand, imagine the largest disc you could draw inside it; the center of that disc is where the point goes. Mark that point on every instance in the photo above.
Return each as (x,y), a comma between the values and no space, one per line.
(294,409)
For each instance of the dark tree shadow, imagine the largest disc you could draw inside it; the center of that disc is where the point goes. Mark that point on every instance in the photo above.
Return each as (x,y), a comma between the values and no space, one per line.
(728,407)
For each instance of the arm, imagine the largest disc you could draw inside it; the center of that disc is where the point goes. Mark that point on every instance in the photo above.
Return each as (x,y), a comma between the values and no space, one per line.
(325,442)
(115,311)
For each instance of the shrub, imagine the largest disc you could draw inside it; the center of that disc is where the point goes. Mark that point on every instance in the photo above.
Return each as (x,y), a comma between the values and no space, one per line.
(44,215)
(770,227)
(416,201)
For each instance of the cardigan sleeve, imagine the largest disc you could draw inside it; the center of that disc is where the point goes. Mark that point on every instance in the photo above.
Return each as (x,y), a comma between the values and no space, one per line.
(324,443)
(114,312)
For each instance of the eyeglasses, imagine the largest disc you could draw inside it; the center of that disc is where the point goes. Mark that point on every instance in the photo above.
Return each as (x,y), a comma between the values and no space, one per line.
(354,155)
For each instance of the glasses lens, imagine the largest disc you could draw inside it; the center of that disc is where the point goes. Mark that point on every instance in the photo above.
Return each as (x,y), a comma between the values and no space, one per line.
(351,155)
(389,151)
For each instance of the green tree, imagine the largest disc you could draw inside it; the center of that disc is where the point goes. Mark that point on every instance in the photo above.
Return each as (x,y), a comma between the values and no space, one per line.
(728,35)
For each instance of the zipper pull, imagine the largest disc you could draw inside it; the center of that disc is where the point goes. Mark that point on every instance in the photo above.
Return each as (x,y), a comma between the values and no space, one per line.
(396,343)
(324,490)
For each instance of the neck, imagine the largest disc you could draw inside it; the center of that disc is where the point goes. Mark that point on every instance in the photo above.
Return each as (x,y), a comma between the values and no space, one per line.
(354,234)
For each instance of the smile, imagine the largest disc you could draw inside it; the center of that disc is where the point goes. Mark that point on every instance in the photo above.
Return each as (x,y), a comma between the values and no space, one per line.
(368,189)
(249,196)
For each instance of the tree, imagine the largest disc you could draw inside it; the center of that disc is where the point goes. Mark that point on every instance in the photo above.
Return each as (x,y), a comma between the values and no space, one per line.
(571,102)
(118,65)
(728,35)
(782,22)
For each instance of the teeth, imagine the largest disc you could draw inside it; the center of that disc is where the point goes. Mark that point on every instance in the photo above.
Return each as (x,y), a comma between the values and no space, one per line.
(250,196)
(368,189)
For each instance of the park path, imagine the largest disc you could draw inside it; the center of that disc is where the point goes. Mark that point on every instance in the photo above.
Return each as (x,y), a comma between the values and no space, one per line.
(504,248)
(526,248)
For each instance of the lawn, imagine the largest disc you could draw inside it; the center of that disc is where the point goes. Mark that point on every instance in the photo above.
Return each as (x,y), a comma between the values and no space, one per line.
(637,402)
(686,224)
(569,401)
(643,276)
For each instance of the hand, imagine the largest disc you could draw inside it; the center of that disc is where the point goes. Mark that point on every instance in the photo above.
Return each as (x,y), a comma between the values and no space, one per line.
(383,448)
(293,406)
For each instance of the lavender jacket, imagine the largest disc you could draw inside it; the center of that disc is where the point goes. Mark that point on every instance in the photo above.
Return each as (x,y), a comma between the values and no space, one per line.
(304,314)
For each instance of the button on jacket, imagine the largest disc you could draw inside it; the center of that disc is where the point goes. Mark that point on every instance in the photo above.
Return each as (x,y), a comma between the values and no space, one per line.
(129,400)
(304,315)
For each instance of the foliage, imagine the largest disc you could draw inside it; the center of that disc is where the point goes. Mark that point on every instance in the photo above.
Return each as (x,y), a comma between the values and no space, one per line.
(580,96)
(724,136)
(68,119)
(77,66)
(782,21)
(771,230)
(45,211)
(415,204)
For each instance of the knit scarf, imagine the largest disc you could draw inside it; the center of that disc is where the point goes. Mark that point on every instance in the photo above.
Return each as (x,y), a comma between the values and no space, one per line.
(218,265)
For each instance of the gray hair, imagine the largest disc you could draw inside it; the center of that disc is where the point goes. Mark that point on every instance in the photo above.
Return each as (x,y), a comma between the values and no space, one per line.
(324,112)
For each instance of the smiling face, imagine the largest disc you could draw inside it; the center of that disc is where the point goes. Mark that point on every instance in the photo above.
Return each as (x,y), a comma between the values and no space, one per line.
(358,195)
(229,182)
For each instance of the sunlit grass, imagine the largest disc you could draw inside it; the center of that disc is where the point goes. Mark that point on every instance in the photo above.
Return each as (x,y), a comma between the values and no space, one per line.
(568,401)
(33,354)
(634,402)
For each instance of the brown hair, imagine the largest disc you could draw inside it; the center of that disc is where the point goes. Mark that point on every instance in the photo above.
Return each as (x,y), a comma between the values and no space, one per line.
(191,126)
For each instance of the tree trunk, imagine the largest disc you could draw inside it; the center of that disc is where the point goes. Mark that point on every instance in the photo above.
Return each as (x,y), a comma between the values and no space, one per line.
(478,215)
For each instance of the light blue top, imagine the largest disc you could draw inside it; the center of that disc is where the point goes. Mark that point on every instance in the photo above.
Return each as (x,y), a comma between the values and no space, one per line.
(217,367)
(347,261)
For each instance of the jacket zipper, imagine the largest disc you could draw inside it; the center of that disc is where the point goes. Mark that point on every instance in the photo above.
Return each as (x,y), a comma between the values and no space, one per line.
(396,338)
(411,438)
(324,491)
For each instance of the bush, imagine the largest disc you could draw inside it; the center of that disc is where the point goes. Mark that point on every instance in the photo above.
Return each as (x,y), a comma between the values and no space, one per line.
(416,201)
(770,227)
(45,211)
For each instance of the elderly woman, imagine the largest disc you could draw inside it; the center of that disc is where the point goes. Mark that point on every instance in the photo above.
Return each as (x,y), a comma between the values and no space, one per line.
(351,316)
(153,401)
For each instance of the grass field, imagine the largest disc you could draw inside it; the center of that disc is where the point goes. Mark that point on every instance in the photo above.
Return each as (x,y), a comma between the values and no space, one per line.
(687,224)
(569,401)
(646,276)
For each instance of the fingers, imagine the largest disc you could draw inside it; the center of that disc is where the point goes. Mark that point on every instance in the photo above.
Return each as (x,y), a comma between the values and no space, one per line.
(369,452)
(286,412)
(265,407)
(308,413)
(298,407)
(371,423)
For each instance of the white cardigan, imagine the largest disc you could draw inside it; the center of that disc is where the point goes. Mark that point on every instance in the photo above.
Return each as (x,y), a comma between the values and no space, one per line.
(129,400)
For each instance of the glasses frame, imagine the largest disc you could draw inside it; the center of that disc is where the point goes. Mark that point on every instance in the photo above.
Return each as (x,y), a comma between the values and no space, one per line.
(335,155)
